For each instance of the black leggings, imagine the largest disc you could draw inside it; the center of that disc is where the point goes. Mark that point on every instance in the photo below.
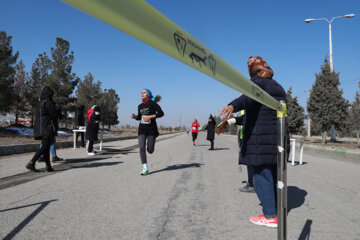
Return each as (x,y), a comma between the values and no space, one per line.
(194,136)
(142,144)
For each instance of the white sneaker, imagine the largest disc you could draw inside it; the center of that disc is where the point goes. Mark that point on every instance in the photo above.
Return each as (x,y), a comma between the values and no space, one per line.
(91,154)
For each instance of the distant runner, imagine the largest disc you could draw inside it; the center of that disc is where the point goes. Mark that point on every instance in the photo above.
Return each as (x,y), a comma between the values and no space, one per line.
(194,129)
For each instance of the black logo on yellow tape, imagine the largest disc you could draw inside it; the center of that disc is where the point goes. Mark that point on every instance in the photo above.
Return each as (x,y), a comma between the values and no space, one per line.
(212,63)
(180,44)
(258,92)
(197,58)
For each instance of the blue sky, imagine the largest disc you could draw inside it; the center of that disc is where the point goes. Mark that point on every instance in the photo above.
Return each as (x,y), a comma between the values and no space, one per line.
(233,29)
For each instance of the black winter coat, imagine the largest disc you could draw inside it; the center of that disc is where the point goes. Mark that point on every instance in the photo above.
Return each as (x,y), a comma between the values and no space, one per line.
(211,129)
(260,125)
(149,108)
(46,124)
(92,128)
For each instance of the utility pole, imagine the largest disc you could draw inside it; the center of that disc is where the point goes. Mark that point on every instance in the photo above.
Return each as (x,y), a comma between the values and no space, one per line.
(309,120)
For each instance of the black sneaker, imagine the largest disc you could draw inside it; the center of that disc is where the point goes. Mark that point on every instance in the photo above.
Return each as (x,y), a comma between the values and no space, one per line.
(31,167)
(247,188)
(56,159)
(49,169)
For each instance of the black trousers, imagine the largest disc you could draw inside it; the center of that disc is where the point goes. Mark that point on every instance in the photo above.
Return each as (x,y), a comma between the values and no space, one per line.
(250,170)
(82,138)
(212,143)
(91,145)
(44,150)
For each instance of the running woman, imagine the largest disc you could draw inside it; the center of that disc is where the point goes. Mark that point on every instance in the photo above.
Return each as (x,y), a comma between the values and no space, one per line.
(148,111)
(195,130)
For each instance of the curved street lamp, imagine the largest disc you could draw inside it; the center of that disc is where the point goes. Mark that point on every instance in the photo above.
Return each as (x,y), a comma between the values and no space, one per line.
(309,20)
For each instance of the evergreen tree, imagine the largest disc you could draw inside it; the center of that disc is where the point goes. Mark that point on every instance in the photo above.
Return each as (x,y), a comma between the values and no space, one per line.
(20,102)
(346,128)
(88,92)
(108,106)
(7,72)
(39,73)
(355,115)
(326,105)
(61,79)
(295,113)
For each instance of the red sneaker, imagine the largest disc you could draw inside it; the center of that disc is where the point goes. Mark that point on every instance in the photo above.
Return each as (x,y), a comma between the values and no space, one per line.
(262,220)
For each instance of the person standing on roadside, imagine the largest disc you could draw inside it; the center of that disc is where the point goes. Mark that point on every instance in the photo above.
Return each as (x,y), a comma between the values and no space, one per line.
(194,130)
(249,186)
(211,131)
(259,147)
(92,128)
(80,121)
(148,112)
(45,128)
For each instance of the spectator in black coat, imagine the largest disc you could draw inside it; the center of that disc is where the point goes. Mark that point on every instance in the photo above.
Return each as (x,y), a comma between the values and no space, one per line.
(80,121)
(260,138)
(92,128)
(45,128)
(211,131)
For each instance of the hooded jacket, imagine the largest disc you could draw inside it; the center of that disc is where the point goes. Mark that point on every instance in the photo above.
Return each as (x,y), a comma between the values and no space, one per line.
(46,124)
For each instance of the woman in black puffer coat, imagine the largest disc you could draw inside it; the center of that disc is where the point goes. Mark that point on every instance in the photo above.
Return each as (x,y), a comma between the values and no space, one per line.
(260,138)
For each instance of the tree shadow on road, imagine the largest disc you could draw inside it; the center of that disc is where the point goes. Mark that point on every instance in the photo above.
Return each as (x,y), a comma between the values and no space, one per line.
(27,220)
(178,166)
(296,197)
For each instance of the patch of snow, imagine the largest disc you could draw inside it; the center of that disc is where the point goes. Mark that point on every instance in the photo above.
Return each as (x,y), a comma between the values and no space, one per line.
(22,131)
(30,131)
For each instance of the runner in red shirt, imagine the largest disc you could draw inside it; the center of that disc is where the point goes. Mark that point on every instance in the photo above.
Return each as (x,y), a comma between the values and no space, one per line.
(194,128)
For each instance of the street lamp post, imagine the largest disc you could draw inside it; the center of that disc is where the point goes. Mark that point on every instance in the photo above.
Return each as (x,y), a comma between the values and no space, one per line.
(309,20)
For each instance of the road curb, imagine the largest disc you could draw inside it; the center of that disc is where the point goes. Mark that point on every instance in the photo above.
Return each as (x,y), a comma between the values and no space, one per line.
(339,151)
(344,152)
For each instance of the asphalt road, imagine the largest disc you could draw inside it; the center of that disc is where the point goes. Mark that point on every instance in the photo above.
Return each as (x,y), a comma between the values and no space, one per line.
(191,193)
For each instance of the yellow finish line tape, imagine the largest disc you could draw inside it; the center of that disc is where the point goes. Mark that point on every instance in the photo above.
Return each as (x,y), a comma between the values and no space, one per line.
(140,20)
(283,112)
